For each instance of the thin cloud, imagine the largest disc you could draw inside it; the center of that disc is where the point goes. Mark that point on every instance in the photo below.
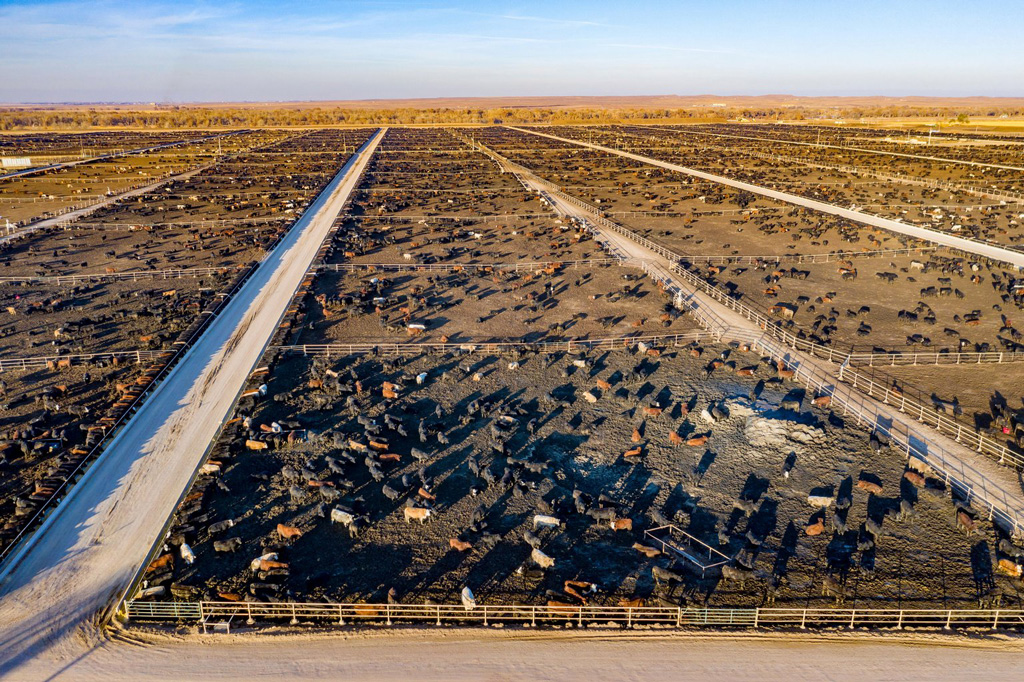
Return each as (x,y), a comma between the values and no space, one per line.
(670,48)
(547,20)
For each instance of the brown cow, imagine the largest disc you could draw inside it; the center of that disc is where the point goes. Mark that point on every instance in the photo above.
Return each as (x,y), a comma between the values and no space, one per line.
(816,528)
(268,565)
(869,486)
(165,561)
(416,513)
(697,441)
(288,532)
(635,452)
(646,550)
(965,521)
(914,477)
(621,524)
(460,545)
(822,401)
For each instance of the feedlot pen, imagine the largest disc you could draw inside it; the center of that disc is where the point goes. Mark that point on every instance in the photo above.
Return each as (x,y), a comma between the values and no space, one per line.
(510,433)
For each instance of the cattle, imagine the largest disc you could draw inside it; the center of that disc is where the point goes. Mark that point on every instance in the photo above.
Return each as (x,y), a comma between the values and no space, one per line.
(288,532)
(545,521)
(342,516)
(663,575)
(579,588)
(966,522)
(822,401)
(697,441)
(229,545)
(532,540)
(460,545)
(649,552)
(220,526)
(873,528)
(541,559)
(737,573)
(815,527)
(1009,567)
(869,485)
(187,554)
(417,513)
(620,524)
(914,478)
(832,586)
(164,562)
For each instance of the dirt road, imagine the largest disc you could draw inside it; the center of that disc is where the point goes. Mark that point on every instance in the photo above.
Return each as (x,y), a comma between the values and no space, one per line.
(85,554)
(426,655)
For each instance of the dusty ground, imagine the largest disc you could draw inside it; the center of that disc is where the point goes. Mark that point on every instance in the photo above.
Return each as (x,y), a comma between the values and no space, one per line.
(922,561)
(729,491)
(430,654)
(573,303)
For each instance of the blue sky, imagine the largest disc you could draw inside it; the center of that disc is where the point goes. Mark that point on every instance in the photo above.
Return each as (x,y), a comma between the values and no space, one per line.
(229,51)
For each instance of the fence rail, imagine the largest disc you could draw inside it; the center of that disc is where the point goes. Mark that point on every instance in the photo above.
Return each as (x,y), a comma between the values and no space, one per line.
(133,275)
(459,267)
(136,356)
(609,343)
(665,616)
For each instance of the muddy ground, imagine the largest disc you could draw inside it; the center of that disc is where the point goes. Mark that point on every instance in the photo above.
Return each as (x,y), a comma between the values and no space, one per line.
(570,303)
(923,560)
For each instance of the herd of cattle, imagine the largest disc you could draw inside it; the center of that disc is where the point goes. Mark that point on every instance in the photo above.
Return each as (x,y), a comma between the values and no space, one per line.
(535,476)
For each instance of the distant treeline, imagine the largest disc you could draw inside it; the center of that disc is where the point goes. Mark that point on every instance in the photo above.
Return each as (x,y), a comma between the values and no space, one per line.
(254,117)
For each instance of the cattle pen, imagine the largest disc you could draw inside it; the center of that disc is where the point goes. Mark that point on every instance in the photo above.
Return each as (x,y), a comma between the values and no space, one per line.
(211,613)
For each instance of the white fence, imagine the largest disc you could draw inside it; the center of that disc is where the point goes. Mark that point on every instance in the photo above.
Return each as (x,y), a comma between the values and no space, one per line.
(570,345)
(459,267)
(580,616)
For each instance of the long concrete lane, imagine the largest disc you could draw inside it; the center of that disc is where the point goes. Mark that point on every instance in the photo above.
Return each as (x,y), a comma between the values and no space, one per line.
(986,250)
(88,550)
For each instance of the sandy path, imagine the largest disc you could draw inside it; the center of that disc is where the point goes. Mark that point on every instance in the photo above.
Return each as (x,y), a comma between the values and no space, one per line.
(985,249)
(559,656)
(86,553)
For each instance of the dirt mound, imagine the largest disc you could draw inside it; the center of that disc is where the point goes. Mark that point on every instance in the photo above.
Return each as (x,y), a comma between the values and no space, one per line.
(783,431)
